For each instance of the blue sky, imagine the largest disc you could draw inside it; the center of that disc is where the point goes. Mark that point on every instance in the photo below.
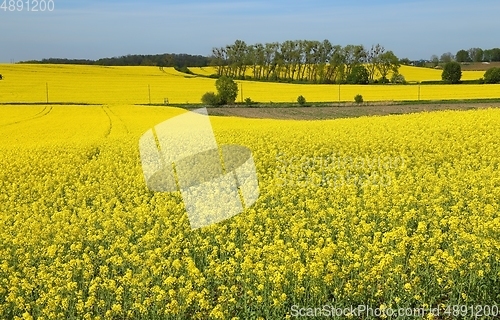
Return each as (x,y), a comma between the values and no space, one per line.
(93,29)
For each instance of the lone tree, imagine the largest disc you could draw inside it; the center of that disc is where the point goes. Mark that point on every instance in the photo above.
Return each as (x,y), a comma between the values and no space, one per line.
(1,77)
(387,62)
(227,90)
(452,72)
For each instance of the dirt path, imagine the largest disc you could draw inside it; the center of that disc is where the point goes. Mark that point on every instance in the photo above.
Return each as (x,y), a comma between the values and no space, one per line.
(335,112)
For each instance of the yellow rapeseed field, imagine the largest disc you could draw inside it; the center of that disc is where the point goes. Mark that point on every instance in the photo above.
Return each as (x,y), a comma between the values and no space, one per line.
(142,85)
(426,74)
(390,213)
(386,212)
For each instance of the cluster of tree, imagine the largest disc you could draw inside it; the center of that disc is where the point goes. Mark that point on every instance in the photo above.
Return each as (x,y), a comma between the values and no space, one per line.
(471,55)
(304,60)
(160,60)
(478,55)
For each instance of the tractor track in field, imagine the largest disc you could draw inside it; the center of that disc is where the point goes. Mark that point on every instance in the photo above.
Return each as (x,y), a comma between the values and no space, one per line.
(119,119)
(110,127)
(41,111)
(112,121)
(44,112)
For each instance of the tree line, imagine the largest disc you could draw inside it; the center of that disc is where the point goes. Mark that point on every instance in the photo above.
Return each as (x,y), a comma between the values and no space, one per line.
(470,55)
(305,60)
(160,60)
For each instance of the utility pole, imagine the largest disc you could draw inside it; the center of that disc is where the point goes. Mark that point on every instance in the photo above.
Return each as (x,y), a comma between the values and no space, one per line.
(47,91)
(149,92)
(242,92)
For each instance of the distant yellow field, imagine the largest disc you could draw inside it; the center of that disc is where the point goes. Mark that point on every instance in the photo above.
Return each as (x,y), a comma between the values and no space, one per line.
(141,85)
(426,74)
(97,84)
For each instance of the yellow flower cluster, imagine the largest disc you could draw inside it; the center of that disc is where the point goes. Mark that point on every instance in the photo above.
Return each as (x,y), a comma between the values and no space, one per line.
(81,237)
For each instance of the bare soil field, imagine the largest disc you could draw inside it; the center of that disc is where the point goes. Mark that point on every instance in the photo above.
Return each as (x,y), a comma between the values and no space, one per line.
(479,66)
(335,112)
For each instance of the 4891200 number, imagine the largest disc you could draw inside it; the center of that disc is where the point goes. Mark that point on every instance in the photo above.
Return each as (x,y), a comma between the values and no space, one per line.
(27,5)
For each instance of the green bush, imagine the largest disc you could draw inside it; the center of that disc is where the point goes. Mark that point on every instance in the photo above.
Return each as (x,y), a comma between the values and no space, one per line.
(358,98)
(477,81)
(383,80)
(249,101)
(398,78)
(183,69)
(210,98)
(492,75)
(301,100)
(432,82)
